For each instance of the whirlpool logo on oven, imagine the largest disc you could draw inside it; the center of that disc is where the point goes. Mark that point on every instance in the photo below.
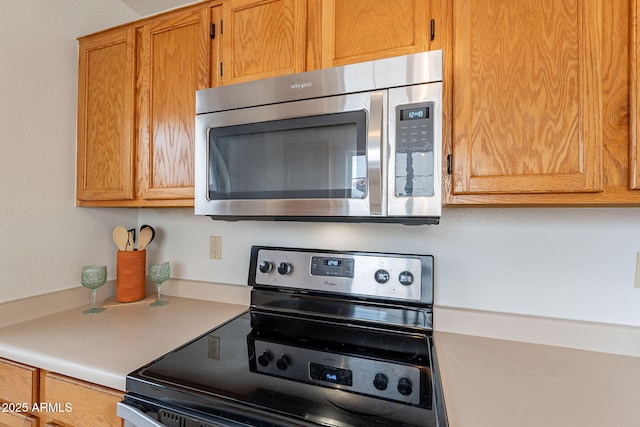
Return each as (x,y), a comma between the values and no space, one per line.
(300,85)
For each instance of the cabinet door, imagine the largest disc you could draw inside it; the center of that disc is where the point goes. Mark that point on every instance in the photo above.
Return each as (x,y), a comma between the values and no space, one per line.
(527,96)
(8,419)
(19,383)
(362,30)
(634,94)
(216,46)
(175,60)
(19,387)
(77,403)
(105,160)
(262,39)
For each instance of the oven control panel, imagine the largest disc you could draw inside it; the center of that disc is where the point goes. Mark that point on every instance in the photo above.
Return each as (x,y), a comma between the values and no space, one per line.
(372,377)
(384,276)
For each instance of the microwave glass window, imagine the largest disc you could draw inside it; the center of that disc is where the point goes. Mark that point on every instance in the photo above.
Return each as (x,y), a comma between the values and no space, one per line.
(309,157)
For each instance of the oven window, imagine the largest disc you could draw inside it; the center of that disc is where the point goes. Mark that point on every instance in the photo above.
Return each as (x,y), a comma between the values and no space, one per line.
(308,157)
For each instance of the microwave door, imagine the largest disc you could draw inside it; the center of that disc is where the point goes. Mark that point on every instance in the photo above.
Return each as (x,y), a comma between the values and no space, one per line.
(310,158)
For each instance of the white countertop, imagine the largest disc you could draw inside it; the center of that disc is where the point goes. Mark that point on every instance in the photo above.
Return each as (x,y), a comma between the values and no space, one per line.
(103,348)
(498,383)
(486,381)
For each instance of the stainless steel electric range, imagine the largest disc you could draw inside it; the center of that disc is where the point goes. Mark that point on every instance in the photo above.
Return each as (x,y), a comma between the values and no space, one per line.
(332,338)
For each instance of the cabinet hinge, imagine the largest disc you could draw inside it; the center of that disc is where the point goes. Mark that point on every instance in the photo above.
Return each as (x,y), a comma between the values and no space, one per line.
(221,69)
(449,164)
(433,29)
(212,31)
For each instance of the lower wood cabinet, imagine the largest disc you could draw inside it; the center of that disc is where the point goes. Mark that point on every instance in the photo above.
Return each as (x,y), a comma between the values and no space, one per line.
(19,383)
(19,391)
(38,398)
(71,402)
(18,420)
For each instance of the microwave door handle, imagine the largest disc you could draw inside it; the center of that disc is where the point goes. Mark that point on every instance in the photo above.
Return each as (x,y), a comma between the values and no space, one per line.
(374,153)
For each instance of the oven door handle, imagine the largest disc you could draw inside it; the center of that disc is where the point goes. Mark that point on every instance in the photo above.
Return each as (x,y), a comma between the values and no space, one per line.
(377,202)
(135,417)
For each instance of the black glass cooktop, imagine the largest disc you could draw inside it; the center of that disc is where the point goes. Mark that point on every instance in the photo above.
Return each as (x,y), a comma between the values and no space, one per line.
(334,375)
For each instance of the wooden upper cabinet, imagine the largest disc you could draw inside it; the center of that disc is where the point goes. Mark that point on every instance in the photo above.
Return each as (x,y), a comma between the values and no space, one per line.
(634,94)
(174,57)
(215,53)
(262,39)
(362,30)
(527,96)
(105,117)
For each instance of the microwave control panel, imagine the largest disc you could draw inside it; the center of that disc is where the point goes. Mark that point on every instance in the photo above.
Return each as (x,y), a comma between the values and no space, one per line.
(414,150)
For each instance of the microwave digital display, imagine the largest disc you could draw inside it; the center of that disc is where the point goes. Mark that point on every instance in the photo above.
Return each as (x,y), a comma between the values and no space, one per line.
(414,113)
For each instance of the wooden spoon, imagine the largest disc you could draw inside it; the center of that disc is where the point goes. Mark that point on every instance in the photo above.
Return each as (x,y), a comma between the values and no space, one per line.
(145,237)
(121,237)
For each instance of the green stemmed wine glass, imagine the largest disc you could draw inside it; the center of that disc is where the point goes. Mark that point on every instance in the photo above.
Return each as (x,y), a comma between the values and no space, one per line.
(93,276)
(158,274)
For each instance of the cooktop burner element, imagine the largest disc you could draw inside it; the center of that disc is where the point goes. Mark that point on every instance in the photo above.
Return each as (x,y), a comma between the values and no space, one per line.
(331,339)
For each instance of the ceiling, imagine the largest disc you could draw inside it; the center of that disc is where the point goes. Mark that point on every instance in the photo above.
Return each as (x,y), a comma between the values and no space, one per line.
(150,7)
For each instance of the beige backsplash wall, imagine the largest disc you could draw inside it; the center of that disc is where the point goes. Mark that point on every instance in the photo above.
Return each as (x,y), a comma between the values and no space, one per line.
(44,239)
(568,263)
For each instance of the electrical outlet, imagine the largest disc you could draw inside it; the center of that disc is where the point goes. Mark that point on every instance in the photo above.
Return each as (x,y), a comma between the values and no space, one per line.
(215,247)
(637,282)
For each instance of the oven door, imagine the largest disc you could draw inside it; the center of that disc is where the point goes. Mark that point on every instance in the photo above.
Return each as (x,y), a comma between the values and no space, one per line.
(311,158)
(157,415)
(138,411)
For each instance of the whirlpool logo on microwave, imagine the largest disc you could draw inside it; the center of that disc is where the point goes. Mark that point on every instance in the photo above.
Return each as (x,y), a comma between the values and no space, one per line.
(300,85)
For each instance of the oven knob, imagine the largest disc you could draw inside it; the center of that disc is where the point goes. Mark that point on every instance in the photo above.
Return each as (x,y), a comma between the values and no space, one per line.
(380,381)
(285,268)
(406,278)
(404,386)
(265,267)
(382,276)
(283,362)
(265,358)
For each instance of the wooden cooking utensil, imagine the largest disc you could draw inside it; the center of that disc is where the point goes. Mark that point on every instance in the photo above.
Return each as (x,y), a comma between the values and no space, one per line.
(145,237)
(121,237)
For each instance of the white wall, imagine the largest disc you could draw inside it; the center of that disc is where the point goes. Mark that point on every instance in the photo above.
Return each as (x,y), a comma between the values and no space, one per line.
(44,239)
(150,7)
(557,262)
(566,263)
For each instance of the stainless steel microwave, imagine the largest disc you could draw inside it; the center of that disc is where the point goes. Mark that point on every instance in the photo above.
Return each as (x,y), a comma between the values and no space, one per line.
(360,142)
